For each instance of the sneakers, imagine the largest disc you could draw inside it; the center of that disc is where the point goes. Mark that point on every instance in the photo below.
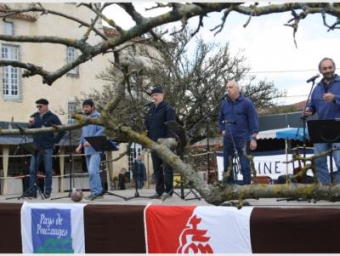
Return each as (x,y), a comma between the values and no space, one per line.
(89,197)
(100,196)
(93,197)
(166,195)
(155,196)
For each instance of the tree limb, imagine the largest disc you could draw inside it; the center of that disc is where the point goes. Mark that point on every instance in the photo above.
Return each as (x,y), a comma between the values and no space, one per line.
(144,25)
(44,11)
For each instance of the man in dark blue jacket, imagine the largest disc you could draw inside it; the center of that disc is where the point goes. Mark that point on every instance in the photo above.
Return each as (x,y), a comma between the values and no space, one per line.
(238,123)
(159,113)
(325,101)
(44,143)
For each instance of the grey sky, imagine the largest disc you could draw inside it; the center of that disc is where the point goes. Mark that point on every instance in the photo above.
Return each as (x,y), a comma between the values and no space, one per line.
(268,46)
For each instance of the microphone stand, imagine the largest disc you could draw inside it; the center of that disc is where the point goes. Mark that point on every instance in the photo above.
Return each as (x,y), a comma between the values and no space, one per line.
(208,149)
(71,169)
(304,118)
(207,117)
(34,150)
(24,169)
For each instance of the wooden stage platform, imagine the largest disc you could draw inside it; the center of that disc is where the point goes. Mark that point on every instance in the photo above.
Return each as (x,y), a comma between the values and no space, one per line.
(113,225)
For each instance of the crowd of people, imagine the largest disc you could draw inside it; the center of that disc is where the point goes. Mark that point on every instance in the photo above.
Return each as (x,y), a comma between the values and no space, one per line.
(237,122)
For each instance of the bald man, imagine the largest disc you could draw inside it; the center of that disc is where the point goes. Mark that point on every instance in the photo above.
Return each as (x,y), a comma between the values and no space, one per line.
(239,125)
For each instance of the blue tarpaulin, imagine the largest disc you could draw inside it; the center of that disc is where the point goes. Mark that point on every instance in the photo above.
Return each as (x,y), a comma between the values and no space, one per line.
(289,133)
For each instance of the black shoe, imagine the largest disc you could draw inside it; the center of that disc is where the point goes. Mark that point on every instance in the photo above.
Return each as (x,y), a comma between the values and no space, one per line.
(29,195)
(155,196)
(47,196)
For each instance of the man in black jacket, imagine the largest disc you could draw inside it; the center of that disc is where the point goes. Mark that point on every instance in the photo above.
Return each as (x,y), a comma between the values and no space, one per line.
(44,143)
(159,113)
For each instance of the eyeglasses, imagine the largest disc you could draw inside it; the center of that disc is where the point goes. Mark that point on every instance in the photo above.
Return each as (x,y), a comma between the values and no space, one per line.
(39,106)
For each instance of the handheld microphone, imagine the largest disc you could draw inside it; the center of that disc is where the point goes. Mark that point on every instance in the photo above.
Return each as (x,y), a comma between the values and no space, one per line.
(313,78)
(223,97)
(148,104)
(34,114)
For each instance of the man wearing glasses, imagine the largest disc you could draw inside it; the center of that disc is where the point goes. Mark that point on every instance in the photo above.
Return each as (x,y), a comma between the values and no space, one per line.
(44,145)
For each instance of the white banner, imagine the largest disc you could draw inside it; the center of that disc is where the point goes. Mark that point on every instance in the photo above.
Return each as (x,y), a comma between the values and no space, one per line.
(269,165)
(52,228)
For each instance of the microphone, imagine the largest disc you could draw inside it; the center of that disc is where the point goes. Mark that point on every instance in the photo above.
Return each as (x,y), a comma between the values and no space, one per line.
(34,114)
(229,121)
(223,97)
(313,78)
(326,89)
(148,104)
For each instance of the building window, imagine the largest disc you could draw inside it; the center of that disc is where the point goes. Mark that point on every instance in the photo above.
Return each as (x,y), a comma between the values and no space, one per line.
(8,28)
(71,55)
(136,150)
(72,108)
(10,75)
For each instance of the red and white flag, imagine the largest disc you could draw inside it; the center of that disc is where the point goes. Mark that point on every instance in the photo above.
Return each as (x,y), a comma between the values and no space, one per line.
(201,229)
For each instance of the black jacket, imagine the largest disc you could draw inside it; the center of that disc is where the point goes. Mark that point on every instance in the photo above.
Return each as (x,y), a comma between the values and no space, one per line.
(46,140)
(155,119)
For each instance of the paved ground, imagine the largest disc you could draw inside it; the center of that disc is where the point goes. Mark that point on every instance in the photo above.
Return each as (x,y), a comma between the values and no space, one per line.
(174,200)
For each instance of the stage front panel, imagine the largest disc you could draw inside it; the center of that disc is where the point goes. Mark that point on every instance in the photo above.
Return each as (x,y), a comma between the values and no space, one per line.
(120,229)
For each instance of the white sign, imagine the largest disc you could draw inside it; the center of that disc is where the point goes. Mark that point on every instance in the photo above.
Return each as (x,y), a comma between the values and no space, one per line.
(269,165)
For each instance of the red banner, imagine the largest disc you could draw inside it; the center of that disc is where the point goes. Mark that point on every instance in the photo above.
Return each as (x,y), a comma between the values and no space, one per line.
(201,229)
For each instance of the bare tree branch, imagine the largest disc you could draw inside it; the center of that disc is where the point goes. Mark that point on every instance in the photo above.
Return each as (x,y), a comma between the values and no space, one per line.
(100,14)
(56,128)
(179,12)
(224,18)
(44,11)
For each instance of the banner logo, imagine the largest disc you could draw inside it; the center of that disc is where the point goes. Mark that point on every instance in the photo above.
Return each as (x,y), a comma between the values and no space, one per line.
(193,239)
(51,231)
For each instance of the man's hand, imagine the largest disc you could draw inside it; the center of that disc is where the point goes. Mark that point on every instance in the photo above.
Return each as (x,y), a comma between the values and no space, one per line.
(31,121)
(253,144)
(328,97)
(223,132)
(308,112)
(78,149)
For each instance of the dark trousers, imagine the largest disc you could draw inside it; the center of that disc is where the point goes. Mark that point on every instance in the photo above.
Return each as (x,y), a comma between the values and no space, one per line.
(163,176)
(241,147)
(121,181)
(46,155)
(139,182)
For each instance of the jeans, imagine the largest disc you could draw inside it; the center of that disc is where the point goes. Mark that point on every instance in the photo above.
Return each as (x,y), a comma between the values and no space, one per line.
(164,181)
(321,162)
(228,151)
(45,154)
(139,182)
(93,163)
